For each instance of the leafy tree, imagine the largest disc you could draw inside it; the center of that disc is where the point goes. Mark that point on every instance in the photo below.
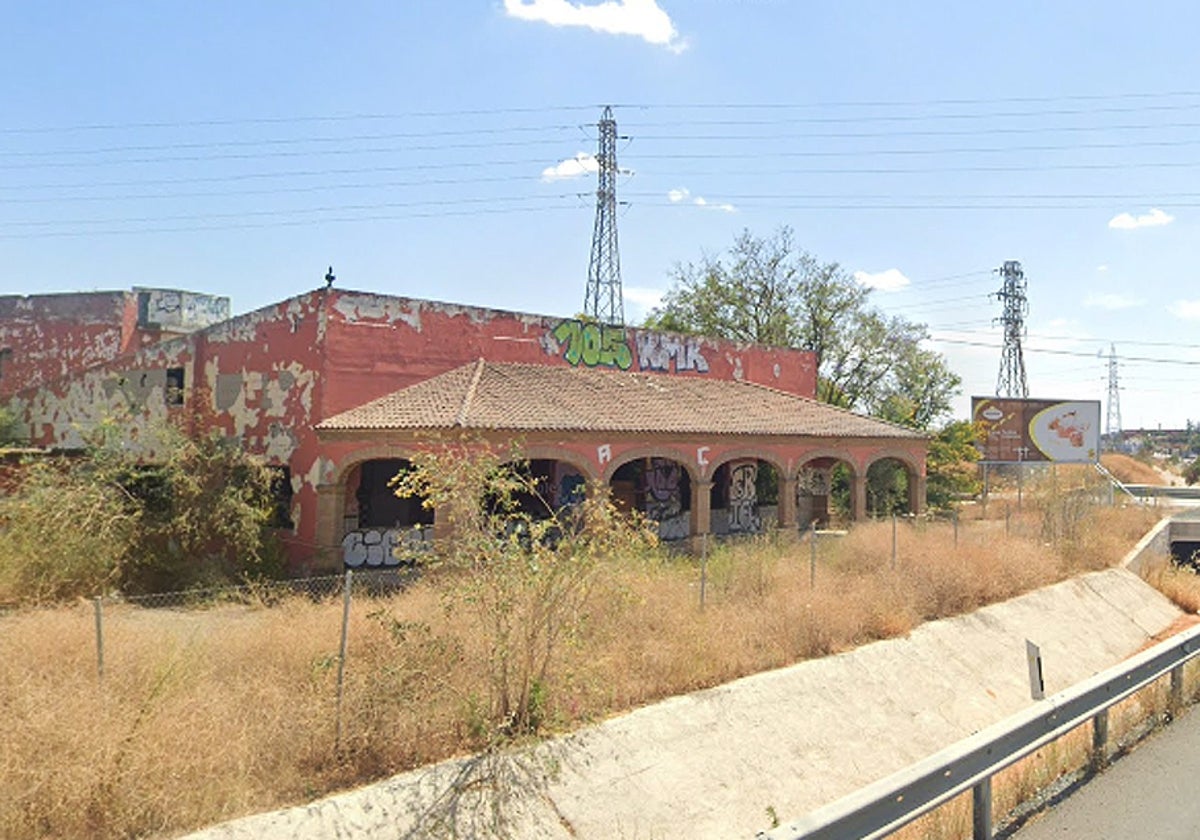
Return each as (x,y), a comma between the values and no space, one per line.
(950,464)
(765,290)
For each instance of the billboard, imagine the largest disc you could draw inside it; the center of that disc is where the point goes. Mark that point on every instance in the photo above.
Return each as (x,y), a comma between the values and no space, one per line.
(1016,430)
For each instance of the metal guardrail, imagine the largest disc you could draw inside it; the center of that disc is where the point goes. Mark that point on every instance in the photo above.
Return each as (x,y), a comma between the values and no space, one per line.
(1162,491)
(891,803)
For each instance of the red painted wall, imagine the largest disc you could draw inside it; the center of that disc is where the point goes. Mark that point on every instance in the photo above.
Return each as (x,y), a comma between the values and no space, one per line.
(267,377)
(47,337)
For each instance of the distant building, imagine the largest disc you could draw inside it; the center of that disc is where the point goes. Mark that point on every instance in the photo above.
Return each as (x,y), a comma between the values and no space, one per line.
(336,390)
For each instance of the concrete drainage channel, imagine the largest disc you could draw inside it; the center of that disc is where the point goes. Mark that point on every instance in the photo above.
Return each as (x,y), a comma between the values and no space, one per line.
(725,762)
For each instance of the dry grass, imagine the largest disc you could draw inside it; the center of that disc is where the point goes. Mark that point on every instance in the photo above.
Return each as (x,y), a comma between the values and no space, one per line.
(1179,583)
(1130,470)
(205,715)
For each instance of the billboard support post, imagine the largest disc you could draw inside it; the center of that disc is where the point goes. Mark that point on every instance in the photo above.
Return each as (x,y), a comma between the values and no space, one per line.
(985,487)
(1020,484)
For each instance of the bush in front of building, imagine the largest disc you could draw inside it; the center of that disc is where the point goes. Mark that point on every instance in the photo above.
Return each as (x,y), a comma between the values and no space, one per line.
(519,571)
(107,521)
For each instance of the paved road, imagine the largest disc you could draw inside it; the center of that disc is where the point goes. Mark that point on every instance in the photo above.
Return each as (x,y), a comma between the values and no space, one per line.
(1150,793)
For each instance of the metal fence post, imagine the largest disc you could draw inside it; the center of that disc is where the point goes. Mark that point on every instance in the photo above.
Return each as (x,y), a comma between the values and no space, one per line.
(337,739)
(1100,741)
(812,562)
(98,607)
(893,540)
(981,810)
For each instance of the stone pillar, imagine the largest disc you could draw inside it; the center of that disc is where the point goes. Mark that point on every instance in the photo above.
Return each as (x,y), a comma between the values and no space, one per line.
(858,496)
(442,528)
(787,503)
(331,504)
(916,494)
(701,509)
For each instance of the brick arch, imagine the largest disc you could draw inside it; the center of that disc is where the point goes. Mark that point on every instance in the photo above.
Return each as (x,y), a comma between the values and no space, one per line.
(842,455)
(743,452)
(914,469)
(652,452)
(553,453)
(375,452)
(915,465)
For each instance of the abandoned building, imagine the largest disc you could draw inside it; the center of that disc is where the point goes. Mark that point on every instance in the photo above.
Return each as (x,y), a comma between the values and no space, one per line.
(337,390)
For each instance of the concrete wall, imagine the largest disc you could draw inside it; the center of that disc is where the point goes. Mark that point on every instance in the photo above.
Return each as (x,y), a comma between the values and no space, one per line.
(713,763)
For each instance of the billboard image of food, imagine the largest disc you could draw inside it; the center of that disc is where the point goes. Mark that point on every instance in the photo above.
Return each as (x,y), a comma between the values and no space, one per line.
(1015,430)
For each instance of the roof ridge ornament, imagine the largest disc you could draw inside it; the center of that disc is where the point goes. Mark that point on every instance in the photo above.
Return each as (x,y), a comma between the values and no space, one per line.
(469,397)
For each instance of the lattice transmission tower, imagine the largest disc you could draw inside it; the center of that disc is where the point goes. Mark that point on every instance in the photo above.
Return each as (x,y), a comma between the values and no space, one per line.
(1112,419)
(603,299)
(1011,382)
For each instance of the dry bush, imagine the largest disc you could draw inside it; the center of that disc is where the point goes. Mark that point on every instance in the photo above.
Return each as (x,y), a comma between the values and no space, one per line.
(1179,583)
(205,715)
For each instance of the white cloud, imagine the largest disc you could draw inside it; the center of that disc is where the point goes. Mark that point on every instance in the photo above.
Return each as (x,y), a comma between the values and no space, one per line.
(892,280)
(1188,310)
(1102,268)
(641,300)
(682,194)
(641,18)
(582,164)
(1111,301)
(1127,221)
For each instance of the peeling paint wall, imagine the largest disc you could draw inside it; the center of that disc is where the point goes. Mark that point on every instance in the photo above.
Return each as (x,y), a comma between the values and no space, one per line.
(47,337)
(377,344)
(268,376)
(44,338)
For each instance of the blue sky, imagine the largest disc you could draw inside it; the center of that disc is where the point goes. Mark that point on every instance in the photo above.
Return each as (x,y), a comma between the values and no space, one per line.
(418,147)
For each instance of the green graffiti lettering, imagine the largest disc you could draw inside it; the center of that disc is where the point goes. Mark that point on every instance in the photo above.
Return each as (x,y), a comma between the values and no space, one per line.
(568,332)
(593,345)
(618,348)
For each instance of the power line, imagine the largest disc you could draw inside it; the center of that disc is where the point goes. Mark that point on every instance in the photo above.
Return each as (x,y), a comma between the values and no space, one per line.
(489,211)
(569,127)
(450,113)
(1075,353)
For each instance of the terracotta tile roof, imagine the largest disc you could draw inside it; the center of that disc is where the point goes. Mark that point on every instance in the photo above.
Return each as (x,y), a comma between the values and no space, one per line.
(528,397)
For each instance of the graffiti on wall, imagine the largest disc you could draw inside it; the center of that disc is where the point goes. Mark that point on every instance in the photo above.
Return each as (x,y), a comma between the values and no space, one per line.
(569,486)
(656,352)
(175,310)
(812,482)
(664,499)
(593,345)
(377,547)
(743,497)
